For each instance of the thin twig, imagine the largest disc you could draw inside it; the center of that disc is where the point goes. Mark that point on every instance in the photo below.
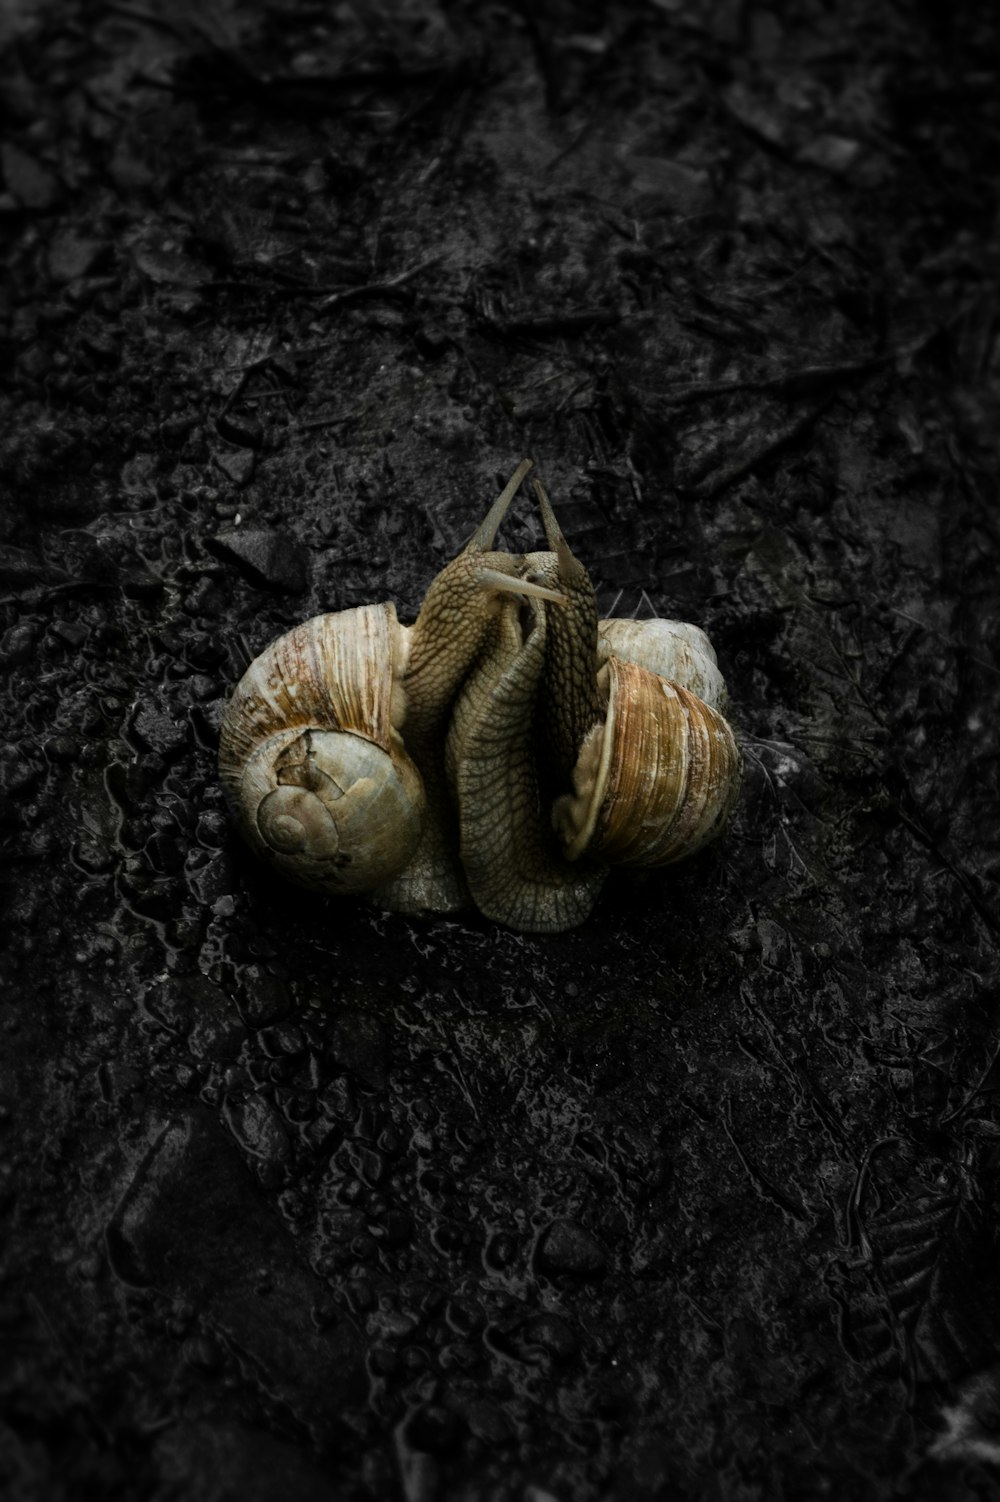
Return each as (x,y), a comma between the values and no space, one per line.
(773,441)
(380,289)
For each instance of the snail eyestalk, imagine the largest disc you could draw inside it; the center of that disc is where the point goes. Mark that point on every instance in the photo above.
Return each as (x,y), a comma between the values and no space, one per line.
(491,578)
(484,536)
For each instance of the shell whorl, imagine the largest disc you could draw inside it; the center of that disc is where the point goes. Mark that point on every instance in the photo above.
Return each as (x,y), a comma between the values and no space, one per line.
(335,671)
(672,649)
(310,756)
(656,781)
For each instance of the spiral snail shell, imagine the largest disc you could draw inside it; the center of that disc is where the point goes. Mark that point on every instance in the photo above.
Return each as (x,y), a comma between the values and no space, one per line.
(671,649)
(314,767)
(503,751)
(656,781)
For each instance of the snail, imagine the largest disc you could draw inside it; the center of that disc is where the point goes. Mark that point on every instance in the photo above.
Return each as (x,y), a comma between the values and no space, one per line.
(310,751)
(517,874)
(456,621)
(655,770)
(504,750)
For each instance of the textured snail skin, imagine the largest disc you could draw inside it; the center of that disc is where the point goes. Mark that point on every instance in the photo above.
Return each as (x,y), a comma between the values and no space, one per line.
(502,751)
(516,872)
(568,701)
(446,640)
(452,633)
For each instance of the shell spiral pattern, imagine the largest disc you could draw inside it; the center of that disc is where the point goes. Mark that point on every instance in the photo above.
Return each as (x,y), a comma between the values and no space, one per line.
(315,772)
(504,751)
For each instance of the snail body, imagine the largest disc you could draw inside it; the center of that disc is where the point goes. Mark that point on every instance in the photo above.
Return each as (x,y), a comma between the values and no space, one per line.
(568,700)
(516,872)
(454,632)
(312,752)
(503,751)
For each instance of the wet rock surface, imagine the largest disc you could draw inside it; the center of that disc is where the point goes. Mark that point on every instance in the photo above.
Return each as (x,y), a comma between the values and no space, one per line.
(299,1197)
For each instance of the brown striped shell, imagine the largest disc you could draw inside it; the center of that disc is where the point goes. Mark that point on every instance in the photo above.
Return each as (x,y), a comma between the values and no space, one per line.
(656,780)
(311,758)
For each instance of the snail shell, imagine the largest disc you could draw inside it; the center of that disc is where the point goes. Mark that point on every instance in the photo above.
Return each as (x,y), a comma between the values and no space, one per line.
(311,757)
(656,780)
(672,649)
(654,766)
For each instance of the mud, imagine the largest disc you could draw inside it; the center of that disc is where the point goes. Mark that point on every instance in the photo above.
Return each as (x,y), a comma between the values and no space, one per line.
(302,1198)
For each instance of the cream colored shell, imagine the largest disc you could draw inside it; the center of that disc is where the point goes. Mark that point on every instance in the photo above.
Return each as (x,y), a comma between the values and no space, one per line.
(673,649)
(310,757)
(656,781)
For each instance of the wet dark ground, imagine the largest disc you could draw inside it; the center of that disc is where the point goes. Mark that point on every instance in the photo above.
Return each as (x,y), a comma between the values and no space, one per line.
(699,1200)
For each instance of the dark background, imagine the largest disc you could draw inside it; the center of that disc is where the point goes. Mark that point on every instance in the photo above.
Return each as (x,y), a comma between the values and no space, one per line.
(301,1199)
